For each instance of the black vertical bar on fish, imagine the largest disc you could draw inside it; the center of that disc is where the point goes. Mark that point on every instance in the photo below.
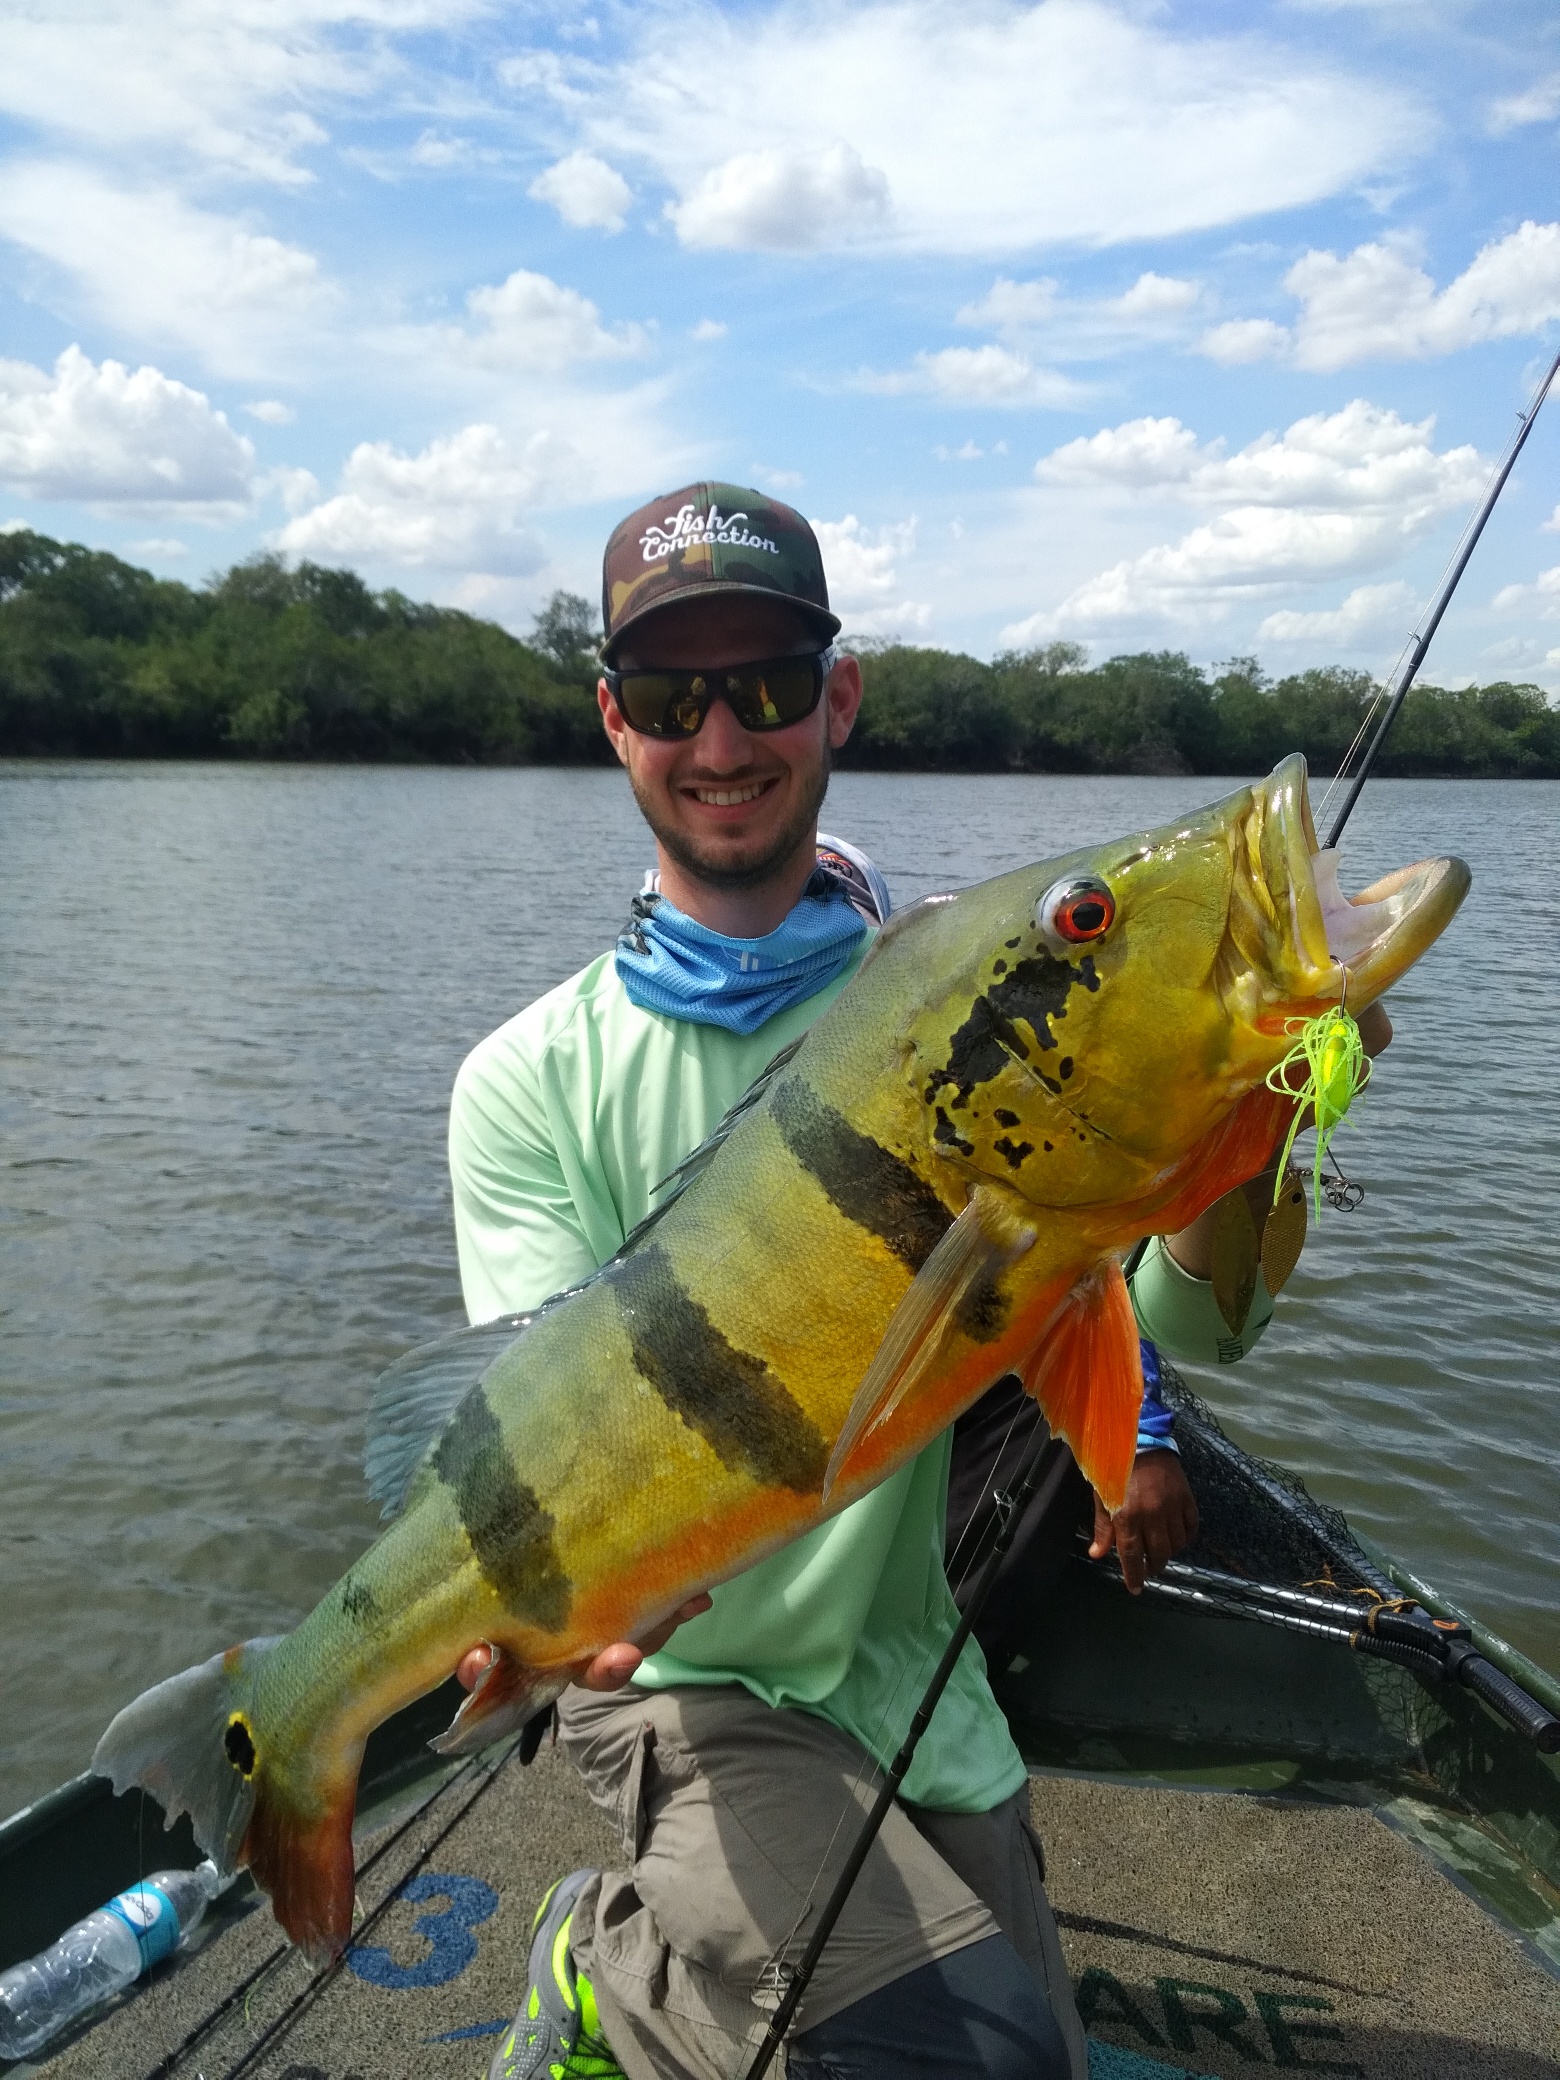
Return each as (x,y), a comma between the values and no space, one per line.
(1420,643)
(1044,1467)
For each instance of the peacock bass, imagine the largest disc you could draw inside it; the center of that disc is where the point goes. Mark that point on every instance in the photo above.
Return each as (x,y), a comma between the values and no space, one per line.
(933,1188)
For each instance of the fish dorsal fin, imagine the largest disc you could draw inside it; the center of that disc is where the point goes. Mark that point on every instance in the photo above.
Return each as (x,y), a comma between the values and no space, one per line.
(981,1243)
(416,1396)
(1086,1372)
(676,1182)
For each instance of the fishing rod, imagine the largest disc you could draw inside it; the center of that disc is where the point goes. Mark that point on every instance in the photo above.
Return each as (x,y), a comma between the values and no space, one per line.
(1435,1649)
(1042,1471)
(1458,1657)
(1419,642)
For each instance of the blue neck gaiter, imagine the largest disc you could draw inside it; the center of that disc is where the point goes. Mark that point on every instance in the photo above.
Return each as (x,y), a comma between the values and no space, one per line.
(669,963)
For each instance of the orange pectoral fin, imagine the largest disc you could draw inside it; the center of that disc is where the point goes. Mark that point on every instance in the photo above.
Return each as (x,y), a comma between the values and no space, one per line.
(1087,1375)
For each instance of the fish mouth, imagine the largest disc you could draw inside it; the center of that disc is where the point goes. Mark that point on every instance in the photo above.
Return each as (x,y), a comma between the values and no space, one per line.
(1326,947)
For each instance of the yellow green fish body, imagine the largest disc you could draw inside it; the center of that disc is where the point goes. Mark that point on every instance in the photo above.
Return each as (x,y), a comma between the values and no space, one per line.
(933,1190)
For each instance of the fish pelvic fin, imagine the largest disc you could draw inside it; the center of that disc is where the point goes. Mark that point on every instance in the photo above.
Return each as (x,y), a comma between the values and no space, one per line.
(198,1744)
(1087,1375)
(504,1696)
(981,1244)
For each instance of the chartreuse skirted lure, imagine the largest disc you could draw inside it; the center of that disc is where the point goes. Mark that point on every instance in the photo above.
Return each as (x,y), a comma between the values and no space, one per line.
(935,1188)
(1330,1060)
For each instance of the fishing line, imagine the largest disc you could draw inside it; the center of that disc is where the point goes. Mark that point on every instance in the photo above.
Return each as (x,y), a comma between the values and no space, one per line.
(199,2031)
(303,2001)
(1419,642)
(774,1975)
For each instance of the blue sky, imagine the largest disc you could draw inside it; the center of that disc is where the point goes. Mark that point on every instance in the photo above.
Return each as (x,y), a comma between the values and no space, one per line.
(1140,325)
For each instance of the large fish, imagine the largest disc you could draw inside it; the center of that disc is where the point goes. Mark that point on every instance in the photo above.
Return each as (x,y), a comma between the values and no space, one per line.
(933,1189)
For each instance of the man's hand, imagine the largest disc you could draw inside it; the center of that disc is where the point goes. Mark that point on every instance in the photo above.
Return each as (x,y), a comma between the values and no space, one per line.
(614,1665)
(1157,1520)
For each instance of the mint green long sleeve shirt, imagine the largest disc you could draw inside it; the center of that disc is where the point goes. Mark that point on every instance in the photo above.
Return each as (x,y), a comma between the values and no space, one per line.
(563,1123)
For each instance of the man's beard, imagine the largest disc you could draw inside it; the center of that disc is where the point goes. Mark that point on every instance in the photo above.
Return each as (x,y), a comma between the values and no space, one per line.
(716,873)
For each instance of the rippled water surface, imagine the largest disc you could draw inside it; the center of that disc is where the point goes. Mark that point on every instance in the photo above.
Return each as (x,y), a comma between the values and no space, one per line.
(232,1000)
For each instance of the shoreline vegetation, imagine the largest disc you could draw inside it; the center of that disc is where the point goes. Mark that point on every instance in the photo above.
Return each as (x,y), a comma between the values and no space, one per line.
(99,659)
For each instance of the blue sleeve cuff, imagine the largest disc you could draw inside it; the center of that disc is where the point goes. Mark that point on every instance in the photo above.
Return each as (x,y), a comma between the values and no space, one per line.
(1156,1422)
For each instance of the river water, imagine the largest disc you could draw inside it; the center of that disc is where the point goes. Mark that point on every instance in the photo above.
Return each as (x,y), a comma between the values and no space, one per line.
(233,998)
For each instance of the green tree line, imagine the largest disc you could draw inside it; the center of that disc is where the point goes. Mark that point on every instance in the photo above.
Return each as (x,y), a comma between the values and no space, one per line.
(101,659)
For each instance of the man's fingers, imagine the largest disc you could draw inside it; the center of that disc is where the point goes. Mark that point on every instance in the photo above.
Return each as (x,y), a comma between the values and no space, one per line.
(616,1665)
(1129,1550)
(471,1665)
(612,1668)
(1104,1531)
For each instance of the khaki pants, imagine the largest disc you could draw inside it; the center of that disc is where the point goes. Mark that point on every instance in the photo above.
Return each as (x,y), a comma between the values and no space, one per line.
(735,1820)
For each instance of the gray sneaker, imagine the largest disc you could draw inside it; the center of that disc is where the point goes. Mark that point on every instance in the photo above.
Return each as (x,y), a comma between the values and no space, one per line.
(557,2033)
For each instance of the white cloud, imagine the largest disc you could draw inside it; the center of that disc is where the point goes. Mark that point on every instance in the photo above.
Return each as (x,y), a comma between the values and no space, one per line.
(988,375)
(1378,303)
(1336,495)
(777,479)
(109,436)
(1137,453)
(1368,611)
(1245,339)
(1362,458)
(532,324)
(152,264)
(708,329)
(1034,318)
(1010,306)
(270,411)
(1539,103)
(158,545)
(1155,296)
(931,126)
(585,191)
(780,199)
(862,569)
(1541,597)
(461,504)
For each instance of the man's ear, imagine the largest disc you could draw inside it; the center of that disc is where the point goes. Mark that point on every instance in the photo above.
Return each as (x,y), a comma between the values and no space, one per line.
(843,695)
(614,725)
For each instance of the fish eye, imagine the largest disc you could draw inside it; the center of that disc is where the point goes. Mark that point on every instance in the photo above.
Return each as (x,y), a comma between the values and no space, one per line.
(1073,913)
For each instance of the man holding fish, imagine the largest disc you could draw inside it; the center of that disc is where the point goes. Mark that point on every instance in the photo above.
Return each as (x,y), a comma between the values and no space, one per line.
(751,1383)
(733,1759)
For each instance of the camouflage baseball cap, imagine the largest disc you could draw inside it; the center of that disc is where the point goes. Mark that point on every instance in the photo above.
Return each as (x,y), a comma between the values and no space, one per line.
(710,537)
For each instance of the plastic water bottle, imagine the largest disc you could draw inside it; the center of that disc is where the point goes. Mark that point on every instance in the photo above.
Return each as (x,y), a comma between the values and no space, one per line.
(97,1956)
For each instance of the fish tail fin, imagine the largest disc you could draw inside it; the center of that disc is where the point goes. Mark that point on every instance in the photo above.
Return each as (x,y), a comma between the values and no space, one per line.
(1087,1375)
(199,1745)
(504,1696)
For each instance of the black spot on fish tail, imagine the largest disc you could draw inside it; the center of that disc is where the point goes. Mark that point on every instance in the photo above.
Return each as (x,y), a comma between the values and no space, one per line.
(865,1181)
(1004,1118)
(741,1409)
(239,1746)
(510,1533)
(1064,1067)
(1013,1151)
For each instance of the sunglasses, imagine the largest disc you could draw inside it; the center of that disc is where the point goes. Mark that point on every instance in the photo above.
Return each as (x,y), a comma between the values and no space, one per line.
(769,695)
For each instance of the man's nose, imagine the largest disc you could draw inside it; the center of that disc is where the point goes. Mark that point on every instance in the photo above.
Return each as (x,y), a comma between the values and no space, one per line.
(722,741)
